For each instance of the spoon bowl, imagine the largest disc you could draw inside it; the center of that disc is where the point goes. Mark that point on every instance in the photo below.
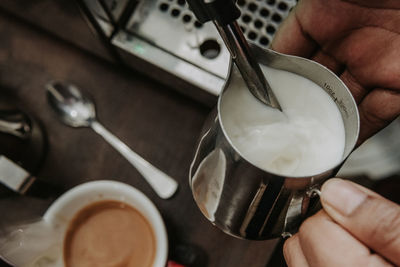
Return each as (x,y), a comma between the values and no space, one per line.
(73,108)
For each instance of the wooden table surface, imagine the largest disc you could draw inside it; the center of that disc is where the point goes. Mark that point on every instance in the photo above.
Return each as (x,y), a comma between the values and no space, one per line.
(155,121)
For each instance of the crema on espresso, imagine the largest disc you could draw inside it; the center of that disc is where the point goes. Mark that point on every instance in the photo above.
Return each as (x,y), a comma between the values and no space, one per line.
(109,234)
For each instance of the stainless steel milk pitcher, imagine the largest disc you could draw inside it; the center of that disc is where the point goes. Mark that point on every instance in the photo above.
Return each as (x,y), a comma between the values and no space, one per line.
(244,200)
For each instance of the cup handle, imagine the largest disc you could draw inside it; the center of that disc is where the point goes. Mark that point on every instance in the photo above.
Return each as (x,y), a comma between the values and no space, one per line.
(299,208)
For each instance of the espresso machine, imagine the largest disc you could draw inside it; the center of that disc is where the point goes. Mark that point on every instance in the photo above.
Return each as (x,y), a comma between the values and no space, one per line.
(165,40)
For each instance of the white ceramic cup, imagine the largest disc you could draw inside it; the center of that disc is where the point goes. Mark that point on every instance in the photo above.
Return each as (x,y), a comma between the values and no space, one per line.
(58,216)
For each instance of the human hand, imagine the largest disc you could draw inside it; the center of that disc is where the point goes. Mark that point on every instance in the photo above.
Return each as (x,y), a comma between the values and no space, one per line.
(359,40)
(357,227)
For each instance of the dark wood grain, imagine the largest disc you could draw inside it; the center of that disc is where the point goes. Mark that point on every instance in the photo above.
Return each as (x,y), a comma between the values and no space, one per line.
(153,120)
(61,18)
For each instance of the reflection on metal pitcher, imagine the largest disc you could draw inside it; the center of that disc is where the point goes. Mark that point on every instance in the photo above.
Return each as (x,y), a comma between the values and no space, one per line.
(247,201)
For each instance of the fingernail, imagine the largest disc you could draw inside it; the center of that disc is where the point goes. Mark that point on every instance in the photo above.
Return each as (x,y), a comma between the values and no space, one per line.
(342,195)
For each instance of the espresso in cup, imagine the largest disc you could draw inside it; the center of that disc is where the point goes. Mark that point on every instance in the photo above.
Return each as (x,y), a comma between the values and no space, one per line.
(99,223)
(109,233)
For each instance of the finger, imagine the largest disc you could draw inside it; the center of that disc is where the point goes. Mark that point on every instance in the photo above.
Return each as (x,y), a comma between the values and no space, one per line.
(372,56)
(377,4)
(328,61)
(325,243)
(373,220)
(356,89)
(291,39)
(378,109)
(293,253)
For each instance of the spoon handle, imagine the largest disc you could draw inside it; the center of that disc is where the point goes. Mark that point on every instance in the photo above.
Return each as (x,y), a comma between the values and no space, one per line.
(162,184)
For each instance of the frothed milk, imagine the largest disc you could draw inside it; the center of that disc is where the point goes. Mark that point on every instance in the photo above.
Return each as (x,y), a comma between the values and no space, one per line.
(307,138)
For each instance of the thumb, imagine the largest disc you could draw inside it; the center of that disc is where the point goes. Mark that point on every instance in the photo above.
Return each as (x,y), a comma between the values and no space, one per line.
(370,218)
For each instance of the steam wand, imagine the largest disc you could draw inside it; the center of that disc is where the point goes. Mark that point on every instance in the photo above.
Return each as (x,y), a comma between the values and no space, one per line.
(224,14)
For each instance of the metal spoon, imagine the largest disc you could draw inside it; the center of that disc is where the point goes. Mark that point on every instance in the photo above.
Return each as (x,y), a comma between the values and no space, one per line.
(77,110)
